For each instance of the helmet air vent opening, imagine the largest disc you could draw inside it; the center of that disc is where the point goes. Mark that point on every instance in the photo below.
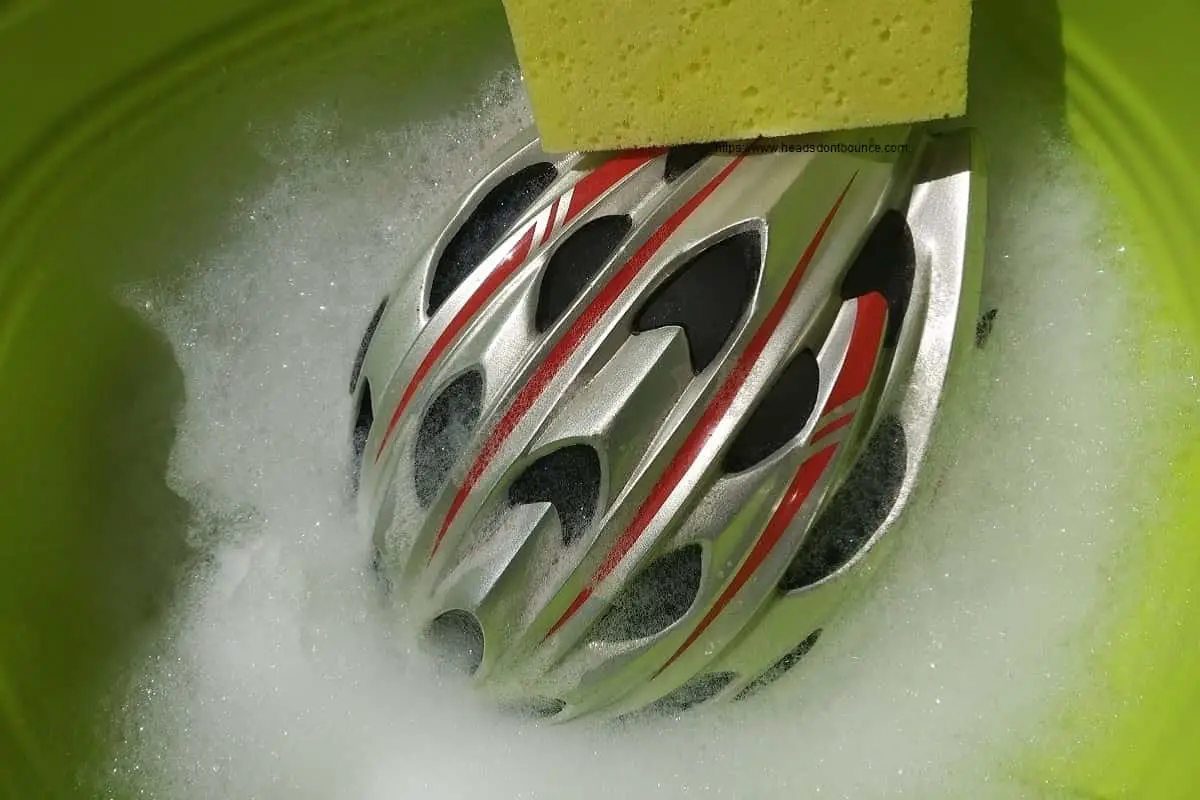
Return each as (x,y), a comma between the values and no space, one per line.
(574,265)
(855,512)
(682,158)
(655,598)
(780,667)
(444,433)
(456,638)
(781,413)
(885,264)
(484,227)
(363,420)
(696,691)
(569,480)
(368,334)
(707,296)
(538,707)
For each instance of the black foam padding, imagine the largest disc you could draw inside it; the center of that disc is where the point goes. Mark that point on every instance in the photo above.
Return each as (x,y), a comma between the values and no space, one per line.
(780,415)
(483,228)
(682,158)
(369,334)
(569,480)
(780,667)
(363,420)
(575,263)
(655,598)
(444,433)
(885,264)
(457,638)
(707,296)
(853,515)
(696,691)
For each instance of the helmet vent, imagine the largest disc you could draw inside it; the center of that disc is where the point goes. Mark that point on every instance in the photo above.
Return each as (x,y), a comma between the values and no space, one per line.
(539,707)
(484,227)
(356,370)
(380,574)
(856,511)
(683,157)
(780,415)
(885,264)
(575,263)
(456,638)
(707,296)
(444,433)
(569,480)
(780,667)
(655,599)
(362,429)
(696,691)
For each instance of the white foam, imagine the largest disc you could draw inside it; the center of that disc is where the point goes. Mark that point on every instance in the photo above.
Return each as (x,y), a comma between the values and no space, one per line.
(279,679)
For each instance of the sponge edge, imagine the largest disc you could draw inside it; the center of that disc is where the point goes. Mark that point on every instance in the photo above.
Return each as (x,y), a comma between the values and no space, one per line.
(614,74)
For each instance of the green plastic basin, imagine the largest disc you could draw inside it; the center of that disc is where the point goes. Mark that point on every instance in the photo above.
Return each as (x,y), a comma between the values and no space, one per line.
(127,126)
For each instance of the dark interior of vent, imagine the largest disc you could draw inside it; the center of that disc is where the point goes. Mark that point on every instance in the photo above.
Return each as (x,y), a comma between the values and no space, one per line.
(485,226)
(363,420)
(575,263)
(385,517)
(568,479)
(780,667)
(781,413)
(382,578)
(885,264)
(692,693)
(707,296)
(857,509)
(655,598)
(457,639)
(538,707)
(682,158)
(444,432)
(356,370)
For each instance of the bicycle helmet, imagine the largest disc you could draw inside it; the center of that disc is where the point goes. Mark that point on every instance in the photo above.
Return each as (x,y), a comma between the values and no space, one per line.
(631,428)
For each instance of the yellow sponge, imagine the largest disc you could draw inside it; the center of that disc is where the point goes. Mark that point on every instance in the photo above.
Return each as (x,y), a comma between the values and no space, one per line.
(609,74)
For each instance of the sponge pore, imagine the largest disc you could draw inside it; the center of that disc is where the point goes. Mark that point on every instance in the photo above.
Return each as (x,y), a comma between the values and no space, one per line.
(611,74)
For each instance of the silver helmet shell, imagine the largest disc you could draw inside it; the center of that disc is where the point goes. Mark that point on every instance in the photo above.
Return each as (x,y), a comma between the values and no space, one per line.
(634,424)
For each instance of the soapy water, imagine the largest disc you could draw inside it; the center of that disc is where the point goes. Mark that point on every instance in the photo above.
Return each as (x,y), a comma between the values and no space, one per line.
(282,676)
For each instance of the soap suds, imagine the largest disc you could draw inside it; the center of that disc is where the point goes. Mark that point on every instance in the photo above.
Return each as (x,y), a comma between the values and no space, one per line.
(280,677)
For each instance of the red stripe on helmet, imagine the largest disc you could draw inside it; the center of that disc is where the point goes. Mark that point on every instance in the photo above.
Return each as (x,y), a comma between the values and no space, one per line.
(700,434)
(869,319)
(870,310)
(606,175)
(516,256)
(833,427)
(565,346)
(582,194)
(798,491)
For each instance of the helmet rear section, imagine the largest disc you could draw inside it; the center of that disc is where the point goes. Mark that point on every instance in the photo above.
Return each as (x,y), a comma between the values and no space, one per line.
(633,427)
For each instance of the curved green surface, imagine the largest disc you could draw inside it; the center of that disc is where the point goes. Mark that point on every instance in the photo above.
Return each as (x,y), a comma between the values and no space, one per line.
(123,135)
(1131,88)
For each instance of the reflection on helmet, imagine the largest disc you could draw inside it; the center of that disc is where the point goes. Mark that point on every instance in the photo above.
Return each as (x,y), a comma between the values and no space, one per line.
(634,424)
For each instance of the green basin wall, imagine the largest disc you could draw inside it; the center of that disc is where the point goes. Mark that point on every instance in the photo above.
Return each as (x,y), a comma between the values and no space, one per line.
(126,127)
